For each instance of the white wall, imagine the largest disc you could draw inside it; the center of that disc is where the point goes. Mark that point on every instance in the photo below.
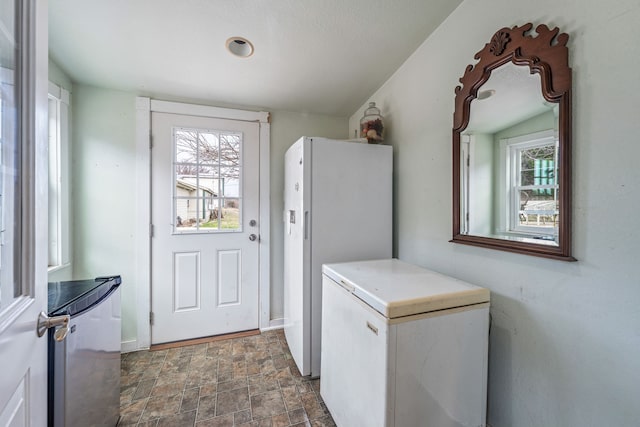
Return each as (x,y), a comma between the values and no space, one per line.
(103,190)
(104,172)
(58,76)
(565,337)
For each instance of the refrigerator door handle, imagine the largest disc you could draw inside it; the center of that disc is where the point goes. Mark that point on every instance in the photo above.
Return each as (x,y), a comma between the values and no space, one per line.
(306,225)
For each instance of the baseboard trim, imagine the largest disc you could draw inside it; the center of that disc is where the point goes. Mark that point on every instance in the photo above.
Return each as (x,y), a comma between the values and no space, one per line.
(204,340)
(274,324)
(129,346)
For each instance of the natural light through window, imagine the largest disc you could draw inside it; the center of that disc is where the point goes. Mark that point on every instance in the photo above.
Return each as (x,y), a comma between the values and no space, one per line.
(59,241)
(207,180)
(534,187)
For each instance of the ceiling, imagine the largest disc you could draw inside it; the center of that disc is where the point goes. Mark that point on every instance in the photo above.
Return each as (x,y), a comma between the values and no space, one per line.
(313,56)
(516,97)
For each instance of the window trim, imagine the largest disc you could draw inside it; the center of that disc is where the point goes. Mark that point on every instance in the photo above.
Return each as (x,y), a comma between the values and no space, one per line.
(61,226)
(509,148)
(221,197)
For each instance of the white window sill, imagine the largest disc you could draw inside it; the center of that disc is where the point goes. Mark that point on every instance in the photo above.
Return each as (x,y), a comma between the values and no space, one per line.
(55,268)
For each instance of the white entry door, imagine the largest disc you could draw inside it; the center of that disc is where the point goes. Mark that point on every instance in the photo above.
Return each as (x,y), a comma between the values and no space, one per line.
(205,233)
(23,212)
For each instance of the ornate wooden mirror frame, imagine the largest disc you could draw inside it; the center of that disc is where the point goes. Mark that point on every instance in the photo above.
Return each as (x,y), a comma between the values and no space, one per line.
(544,53)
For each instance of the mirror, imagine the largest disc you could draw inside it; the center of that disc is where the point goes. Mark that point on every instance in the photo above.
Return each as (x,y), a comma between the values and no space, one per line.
(512,145)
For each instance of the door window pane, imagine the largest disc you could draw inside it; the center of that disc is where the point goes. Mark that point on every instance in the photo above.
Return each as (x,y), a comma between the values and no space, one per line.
(187,217)
(230,150)
(186,144)
(208,181)
(10,123)
(208,148)
(230,182)
(231,219)
(208,171)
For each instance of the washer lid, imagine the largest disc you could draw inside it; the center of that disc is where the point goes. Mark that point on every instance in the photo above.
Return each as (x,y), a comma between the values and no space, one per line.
(397,289)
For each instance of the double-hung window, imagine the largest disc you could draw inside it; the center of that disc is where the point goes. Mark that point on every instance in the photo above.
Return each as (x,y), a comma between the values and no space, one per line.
(59,221)
(532,185)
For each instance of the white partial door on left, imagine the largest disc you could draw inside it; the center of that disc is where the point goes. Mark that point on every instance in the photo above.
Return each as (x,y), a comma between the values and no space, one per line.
(205,232)
(23,211)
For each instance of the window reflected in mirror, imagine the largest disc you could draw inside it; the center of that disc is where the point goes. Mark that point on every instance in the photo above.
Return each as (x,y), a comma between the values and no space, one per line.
(510,160)
(512,145)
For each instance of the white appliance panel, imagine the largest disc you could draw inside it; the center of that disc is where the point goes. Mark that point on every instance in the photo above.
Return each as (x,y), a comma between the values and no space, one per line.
(363,350)
(441,370)
(297,295)
(351,218)
(346,215)
(397,289)
(435,364)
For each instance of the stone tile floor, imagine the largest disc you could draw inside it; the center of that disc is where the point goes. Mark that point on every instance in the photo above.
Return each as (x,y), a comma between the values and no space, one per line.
(251,381)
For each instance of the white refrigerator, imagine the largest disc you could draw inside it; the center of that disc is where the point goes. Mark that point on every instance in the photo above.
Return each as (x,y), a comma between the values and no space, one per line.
(337,208)
(403,346)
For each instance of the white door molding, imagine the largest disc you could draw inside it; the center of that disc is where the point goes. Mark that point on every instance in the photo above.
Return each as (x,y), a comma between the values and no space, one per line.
(144,107)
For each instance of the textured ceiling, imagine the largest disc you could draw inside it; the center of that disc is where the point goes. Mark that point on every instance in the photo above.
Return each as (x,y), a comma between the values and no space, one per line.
(316,56)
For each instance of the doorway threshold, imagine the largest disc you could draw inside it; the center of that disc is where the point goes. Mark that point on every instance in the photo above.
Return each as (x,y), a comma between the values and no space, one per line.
(204,340)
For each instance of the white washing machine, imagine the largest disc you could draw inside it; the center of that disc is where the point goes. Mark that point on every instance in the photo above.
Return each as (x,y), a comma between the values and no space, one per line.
(403,346)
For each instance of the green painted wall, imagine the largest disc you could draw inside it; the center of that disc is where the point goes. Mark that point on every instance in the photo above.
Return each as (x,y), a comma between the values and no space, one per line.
(564,344)
(104,171)
(103,191)
(58,76)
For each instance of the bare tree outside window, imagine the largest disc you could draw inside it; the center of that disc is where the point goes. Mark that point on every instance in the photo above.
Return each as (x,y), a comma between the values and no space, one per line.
(207,179)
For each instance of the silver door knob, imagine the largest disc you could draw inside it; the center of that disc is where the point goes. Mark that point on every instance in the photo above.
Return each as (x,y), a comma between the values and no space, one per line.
(253,237)
(45,322)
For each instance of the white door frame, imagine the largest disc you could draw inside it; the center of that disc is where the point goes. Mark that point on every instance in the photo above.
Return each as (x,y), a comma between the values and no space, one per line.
(144,107)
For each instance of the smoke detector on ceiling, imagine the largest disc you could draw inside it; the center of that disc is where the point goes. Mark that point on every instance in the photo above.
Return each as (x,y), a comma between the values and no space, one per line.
(239,46)
(486,94)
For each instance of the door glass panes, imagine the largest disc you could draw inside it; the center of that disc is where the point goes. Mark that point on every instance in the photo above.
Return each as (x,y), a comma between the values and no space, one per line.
(230,219)
(207,180)
(10,213)
(229,182)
